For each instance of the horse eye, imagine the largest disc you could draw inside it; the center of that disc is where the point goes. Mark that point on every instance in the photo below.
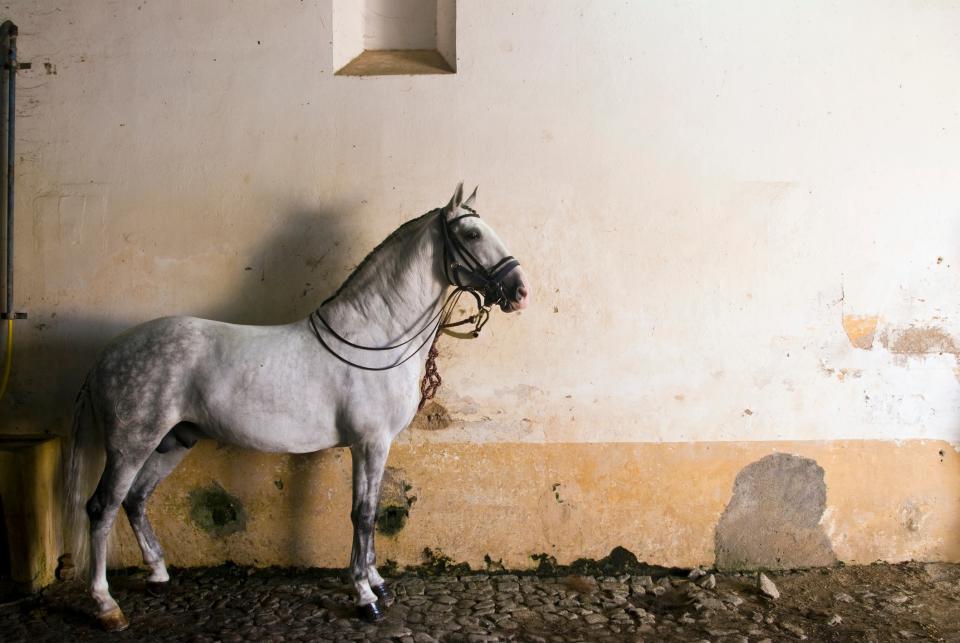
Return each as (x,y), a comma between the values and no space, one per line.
(473,234)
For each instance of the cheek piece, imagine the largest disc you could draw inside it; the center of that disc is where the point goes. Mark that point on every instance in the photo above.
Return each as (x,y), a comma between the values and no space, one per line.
(491,279)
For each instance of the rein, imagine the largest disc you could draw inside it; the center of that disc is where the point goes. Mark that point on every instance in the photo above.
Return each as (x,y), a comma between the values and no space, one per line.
(491,289)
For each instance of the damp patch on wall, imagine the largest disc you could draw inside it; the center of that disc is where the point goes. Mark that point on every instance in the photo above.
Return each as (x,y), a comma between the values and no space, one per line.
(433,417)
(217,512)
(773,518)
(395,503)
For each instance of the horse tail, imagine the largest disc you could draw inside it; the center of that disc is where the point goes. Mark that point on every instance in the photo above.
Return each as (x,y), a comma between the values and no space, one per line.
(83,470)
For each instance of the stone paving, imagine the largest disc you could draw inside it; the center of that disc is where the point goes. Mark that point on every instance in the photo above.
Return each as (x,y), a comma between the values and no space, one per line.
(231,603)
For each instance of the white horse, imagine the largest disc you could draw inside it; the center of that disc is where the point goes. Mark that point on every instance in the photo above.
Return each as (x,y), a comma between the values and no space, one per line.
(347,375)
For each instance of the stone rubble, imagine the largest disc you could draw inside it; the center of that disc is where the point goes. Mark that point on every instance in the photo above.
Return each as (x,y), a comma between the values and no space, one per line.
(231,603)
(767,586)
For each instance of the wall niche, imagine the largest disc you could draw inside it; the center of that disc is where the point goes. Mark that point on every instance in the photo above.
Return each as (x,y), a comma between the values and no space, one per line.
(394,37)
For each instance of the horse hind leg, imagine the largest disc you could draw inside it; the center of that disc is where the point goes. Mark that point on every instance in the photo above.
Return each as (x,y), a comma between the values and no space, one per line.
(118,476)
(157,467)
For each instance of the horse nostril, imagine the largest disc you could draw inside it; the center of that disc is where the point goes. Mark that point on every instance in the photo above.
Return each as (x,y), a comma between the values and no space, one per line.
(522,293)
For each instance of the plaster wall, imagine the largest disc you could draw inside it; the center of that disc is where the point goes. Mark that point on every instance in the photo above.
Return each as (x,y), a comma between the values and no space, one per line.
(740,223)
(400,24)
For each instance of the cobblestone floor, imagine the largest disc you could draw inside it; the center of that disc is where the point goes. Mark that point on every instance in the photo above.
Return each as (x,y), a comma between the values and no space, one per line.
(872,603)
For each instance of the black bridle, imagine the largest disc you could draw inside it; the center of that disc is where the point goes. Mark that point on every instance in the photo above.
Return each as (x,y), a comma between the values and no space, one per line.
(491,280)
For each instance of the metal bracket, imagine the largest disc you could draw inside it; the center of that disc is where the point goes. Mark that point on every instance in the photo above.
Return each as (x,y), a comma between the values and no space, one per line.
(13,315)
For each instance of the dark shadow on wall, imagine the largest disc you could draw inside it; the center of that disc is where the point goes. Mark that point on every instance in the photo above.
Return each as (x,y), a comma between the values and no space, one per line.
(300,262)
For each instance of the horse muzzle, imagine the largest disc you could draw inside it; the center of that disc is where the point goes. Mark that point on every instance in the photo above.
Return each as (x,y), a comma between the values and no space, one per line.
(516,294)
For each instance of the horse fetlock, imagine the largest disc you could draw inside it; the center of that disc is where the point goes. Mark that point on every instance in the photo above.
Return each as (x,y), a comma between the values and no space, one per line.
(373,576)
(158,572)
(358,575)
(101,595)
(365,595)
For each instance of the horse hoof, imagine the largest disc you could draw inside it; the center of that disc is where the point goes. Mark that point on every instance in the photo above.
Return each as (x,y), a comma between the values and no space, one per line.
(113,621)
(371,612)
(157,589)
(384,595)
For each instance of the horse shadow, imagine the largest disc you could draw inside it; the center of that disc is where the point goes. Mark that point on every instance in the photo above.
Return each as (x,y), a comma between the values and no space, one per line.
(300,261)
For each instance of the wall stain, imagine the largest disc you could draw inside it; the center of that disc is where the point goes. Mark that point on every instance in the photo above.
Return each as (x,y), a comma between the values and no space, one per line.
(217,512)
(436,563)
(395,504)
(491,565)
(433,417)
(773,518)
(913,513)
(920,340)
(556,492)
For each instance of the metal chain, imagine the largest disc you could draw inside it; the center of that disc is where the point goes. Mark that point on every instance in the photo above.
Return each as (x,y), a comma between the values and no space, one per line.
(431,377)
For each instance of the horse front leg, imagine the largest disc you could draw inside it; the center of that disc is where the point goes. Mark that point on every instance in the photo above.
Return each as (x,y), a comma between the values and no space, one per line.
(369,460)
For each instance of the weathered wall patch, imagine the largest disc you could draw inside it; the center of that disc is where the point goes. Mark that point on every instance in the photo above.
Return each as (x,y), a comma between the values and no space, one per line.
(217,512)
(395,504)
(860,330)
(773,518)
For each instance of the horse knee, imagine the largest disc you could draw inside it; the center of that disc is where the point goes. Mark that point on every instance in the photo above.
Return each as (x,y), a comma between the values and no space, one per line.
(135,507)
(363,516)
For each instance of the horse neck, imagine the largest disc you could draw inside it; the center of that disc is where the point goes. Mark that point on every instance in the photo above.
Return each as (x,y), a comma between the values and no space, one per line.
(396,290)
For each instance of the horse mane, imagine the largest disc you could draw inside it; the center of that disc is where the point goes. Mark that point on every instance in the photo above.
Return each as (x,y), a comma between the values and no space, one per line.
(402,230)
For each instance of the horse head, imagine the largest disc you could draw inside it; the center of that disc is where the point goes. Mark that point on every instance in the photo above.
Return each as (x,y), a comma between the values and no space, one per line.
(475,257)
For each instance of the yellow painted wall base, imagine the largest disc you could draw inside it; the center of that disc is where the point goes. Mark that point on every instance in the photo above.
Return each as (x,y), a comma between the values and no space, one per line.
(884,501)
(29,481)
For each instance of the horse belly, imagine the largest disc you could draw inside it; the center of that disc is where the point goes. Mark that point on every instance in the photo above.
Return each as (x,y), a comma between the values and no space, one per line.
(264,408)
(269,429)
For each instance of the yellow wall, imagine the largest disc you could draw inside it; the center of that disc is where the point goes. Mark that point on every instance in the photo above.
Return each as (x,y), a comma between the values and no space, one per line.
(739,221)
(511,501)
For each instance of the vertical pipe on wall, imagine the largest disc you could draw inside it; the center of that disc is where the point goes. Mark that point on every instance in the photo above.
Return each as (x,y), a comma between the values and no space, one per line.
(9,31)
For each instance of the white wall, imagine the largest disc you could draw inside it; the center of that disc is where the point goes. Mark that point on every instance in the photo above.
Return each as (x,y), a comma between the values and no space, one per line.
(699,192)
(399,24)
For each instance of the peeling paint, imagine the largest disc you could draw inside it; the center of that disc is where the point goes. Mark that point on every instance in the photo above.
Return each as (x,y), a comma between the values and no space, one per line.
(920,340)
(913,514)
(773,519)
(860,330)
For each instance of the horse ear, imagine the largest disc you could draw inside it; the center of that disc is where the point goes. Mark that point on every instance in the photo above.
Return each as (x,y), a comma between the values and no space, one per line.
(471,198)
(457,198)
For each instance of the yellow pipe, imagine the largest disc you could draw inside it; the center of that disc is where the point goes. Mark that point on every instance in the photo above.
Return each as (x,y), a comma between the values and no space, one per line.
(8,360)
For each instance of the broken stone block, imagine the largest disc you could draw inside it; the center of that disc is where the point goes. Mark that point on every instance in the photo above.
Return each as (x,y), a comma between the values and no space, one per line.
(767,586)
